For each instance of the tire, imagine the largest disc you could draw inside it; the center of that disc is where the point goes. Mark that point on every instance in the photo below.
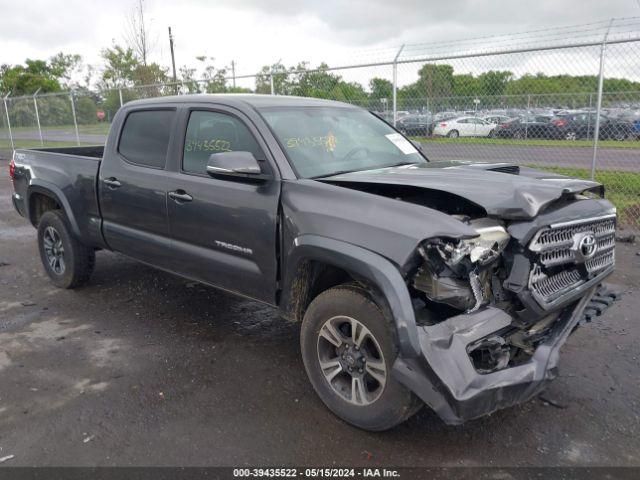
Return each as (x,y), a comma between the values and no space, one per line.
(382,402)
(453,134)
(571,136)
(492,133)
(68,262)
(518,135)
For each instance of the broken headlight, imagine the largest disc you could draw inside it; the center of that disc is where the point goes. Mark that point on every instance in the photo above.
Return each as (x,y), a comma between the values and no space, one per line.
(481,250)
(457,272)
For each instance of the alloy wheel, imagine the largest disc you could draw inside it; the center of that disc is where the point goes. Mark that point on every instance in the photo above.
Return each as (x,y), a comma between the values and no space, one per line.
(351,360)
(54,250)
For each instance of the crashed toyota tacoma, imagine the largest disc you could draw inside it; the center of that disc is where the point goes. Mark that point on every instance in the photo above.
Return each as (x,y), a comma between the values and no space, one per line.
(416,282)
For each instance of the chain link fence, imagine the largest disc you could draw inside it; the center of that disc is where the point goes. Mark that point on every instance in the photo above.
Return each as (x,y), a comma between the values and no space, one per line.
(564,100)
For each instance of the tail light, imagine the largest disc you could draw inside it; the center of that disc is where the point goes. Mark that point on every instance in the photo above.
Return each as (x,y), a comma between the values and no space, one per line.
(559,123)
(12,170)
(443,124)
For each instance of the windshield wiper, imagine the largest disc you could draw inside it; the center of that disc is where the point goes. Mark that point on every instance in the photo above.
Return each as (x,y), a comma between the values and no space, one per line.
(401,164)
(341,172)
(332,174)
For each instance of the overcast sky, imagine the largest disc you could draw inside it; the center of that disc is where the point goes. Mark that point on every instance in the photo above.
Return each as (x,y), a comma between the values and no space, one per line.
(259,32)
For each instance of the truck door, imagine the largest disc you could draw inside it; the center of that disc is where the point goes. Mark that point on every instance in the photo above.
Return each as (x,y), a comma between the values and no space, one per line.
(133,186)
(223,230)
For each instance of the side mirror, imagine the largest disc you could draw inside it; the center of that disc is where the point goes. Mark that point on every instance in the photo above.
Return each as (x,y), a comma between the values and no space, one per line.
(235,164)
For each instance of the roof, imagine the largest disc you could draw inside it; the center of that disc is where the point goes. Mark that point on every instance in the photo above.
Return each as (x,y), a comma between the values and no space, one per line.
(254,100)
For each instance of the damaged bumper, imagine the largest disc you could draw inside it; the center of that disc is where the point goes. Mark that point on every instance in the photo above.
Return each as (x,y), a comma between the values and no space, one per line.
(445,377)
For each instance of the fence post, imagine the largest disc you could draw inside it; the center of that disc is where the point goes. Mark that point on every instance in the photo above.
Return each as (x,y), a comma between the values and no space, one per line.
(596,133)
(120,94)
(35,104)
(271,80)
(75,120)
(395,86)
(589,116)
(6,111)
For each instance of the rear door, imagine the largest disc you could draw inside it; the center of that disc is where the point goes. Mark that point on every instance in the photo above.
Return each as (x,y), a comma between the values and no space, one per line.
(223,231)
(133,186)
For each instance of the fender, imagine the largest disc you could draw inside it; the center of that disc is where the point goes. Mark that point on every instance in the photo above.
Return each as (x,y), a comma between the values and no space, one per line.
(366,264)
(51,190)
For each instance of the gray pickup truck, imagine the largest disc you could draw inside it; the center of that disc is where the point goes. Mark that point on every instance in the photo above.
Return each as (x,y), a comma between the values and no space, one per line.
(448,284)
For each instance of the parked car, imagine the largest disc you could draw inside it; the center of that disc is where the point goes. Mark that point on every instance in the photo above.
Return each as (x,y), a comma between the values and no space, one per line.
(496,119)
(581,125)
(452,284)
(413,124)
(464,127)
(527,126)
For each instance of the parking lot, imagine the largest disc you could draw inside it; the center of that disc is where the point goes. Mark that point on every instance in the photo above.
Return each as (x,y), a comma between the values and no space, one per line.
(143,368)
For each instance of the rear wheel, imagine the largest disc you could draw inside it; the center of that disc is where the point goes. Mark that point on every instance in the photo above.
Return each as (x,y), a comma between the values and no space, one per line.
(453,134)
(348,348)
(68,262)
(571,136)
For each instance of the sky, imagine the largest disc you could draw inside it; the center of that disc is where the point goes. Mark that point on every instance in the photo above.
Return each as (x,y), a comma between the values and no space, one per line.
(259,32)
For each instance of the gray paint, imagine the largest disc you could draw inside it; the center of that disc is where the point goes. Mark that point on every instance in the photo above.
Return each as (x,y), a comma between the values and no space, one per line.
(251,238)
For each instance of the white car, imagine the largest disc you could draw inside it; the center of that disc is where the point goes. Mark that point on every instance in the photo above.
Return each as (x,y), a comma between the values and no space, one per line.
(464,127)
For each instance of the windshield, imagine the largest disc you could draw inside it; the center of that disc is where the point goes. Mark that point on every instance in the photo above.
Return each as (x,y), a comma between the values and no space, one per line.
(324,141)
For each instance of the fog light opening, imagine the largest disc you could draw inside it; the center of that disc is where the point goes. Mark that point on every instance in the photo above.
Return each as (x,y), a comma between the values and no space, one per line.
(489,354)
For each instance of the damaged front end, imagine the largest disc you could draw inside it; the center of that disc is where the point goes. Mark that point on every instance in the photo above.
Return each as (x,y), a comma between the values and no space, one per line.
(495,309)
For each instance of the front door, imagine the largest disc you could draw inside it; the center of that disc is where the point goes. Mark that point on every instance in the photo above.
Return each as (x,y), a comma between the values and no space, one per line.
(223,231)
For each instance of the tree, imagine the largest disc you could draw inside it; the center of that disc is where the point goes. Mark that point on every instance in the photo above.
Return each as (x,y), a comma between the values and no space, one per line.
(137,33)
(44,75)
(380,88)
(120,64)
(435,80)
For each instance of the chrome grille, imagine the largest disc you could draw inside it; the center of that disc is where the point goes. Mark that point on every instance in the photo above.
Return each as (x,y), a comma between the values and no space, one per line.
(557,270)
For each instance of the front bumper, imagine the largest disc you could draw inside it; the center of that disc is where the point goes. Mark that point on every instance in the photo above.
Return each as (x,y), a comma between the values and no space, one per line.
(446,380)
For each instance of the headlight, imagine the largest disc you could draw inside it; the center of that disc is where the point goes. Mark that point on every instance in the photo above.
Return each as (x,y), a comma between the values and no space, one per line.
(490,243)
(457,272)
(481,250)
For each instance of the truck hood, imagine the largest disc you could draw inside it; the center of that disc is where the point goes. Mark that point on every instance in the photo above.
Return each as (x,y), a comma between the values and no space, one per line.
(503,190)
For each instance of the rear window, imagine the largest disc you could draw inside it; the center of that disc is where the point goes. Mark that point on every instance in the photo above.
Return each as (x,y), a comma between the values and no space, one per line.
(145,137)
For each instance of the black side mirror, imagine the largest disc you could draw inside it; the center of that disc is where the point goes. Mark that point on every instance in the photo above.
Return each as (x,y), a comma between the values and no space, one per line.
(235,164)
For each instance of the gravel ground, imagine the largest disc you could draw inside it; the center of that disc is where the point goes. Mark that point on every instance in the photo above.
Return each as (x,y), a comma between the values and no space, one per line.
(144,368)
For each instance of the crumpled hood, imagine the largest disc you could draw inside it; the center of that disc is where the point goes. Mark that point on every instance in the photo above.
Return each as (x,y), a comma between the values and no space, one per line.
(504,195)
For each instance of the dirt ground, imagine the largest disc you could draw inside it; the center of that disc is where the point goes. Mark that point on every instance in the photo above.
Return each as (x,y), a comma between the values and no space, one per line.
(144,368)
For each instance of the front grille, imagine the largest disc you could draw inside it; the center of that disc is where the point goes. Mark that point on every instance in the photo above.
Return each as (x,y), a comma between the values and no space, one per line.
(560,266)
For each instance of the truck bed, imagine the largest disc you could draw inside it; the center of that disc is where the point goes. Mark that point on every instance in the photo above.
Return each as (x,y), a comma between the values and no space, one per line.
(70,174)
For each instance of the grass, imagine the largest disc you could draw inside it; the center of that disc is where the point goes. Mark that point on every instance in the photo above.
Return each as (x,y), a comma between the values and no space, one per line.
(531,142)
(622,189)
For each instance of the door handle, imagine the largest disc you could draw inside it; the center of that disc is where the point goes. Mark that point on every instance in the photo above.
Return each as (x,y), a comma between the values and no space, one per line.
(180,196)
(112,182)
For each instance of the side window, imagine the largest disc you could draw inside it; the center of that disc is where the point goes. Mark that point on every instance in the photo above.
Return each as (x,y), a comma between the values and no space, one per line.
(145,137)
(213,132)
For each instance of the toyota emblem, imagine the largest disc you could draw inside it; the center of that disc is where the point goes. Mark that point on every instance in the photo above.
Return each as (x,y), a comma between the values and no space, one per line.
(588,246)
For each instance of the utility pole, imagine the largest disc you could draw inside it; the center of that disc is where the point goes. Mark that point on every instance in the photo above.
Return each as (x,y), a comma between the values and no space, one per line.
(173,60)
(233,72)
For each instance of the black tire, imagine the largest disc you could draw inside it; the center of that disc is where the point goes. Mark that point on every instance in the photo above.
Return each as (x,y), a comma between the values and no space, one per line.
(453,134)
(393,403)
(492,133)
(78,260)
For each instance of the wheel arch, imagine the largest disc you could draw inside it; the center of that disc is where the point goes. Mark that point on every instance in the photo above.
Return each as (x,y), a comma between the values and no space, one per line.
(43,196)
(316,263)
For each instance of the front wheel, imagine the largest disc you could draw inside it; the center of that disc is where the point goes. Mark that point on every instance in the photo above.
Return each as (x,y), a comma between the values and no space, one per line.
(68,262)
(348,349)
